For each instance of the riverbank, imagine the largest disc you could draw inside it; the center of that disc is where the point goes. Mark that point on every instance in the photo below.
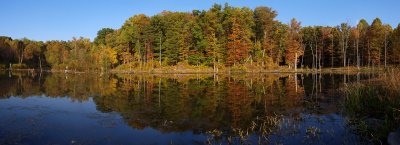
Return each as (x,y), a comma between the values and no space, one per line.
(186,69)
(246,69)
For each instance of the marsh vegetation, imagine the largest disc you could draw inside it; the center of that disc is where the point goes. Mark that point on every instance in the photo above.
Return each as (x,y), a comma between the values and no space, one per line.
(374,106)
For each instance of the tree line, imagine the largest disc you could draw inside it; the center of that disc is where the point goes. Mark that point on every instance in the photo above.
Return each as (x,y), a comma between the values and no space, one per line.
(222,36)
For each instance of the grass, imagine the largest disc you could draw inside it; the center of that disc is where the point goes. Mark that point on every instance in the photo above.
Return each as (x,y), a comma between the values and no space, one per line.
(374,106)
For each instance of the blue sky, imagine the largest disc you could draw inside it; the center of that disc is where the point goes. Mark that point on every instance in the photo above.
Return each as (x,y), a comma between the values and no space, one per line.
(63,19)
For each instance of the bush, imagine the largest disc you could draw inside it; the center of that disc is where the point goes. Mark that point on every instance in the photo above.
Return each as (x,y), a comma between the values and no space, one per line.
(19,66)
(239,69)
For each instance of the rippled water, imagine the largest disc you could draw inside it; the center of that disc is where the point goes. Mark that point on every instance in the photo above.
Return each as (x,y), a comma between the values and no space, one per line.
(174,109)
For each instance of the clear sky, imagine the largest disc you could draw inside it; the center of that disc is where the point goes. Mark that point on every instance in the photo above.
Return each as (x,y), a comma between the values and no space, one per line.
(63,19)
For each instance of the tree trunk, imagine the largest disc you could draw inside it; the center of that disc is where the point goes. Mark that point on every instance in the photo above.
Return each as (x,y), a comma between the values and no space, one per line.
(22,57)
(333,48)
(263,55)
(295,62)
(214,58)
(40,63)
(320,54)
(369,55)
(358,56)
(302,58)
(385,47)
(313,60)
(160,52)
(344,52)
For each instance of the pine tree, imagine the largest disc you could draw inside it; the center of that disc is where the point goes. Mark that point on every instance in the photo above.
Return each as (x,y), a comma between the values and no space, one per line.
(376,35)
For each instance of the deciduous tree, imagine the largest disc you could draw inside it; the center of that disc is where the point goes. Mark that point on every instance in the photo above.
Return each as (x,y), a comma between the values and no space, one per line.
(293,44)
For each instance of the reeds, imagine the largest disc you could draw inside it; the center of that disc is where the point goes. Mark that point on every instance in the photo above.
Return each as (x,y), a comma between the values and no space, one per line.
(374,105)
(260,128)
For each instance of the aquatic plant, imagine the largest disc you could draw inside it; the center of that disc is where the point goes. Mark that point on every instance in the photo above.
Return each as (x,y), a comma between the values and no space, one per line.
(313,131)
(261,127)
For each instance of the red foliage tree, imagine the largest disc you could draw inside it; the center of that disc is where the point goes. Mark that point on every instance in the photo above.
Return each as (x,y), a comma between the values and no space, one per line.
(237,47)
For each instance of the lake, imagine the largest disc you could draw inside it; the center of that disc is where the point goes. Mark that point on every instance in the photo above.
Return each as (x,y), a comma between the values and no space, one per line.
(115,109)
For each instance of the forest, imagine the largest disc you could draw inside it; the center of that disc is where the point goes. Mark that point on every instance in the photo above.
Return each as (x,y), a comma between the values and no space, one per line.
(218,38)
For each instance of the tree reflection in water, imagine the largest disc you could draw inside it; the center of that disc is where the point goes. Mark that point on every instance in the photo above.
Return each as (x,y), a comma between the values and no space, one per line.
(263,107)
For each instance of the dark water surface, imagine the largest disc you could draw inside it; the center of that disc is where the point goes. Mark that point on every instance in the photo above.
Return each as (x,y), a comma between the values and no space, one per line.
(94,108)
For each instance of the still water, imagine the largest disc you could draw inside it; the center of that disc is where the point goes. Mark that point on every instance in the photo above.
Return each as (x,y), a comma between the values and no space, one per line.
(118,109)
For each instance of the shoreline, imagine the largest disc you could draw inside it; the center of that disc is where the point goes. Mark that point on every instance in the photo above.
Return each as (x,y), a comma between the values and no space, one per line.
(209,71)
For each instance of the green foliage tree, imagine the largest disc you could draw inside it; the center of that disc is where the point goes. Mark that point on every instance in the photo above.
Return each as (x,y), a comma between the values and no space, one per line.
(264,30)
(363,27)
(344,29)
(7,53)
(33,53)
(376,36)
(395,40)
(56,54)
(102,36)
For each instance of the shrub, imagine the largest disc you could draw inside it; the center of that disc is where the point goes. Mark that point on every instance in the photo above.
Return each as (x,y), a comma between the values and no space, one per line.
(2,66)
(239,69)
(19,66)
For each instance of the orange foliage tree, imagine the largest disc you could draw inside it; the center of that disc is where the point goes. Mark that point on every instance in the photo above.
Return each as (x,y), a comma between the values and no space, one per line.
(237,47)
(293,44)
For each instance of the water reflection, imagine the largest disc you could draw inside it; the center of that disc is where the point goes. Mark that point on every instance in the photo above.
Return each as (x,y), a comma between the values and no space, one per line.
(297,107)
